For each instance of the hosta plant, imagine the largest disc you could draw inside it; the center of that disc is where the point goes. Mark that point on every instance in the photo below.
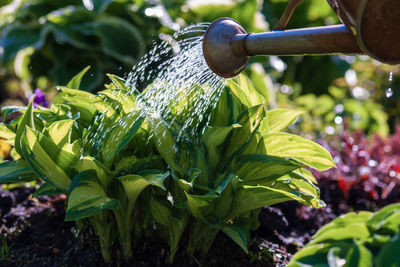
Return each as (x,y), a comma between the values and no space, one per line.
(355,239)
(125,170)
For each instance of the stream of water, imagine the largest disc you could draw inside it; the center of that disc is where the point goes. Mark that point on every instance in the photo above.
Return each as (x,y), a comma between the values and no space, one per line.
(176,82)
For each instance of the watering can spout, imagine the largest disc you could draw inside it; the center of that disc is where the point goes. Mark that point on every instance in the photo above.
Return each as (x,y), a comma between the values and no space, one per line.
(227,46)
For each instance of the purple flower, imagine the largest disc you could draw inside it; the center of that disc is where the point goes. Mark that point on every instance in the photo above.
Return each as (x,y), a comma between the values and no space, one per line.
(40,99)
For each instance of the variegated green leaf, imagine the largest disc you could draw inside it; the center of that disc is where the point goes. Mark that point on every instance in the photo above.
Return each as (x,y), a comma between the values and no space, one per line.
(237,234)
(242,88)
(49,161)
(119,96)
(201,205)
(250,120)
(60,131)
(79,102)
(119,82)
(87,197)
(75,82)
(121,135)
(258,167)
(303,150)
(16,171)
(214,137)
(134,184)
(26,120)
(162,213)
(254,197)
(47,189)
(86,163)
(7,134)
(278,119)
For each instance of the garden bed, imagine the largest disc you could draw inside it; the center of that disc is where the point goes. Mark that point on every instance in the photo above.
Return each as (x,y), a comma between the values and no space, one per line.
(37,235)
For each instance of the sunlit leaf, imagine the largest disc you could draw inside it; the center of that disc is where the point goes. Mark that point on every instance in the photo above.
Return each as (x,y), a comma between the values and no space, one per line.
(75,82)
(50,162)
(298,148)
(87,197)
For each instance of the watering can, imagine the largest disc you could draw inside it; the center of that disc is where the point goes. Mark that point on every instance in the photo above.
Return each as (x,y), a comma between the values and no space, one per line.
(371,27)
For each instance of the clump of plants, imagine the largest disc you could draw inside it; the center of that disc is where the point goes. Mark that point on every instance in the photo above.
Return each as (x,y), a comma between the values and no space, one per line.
(126,172)
(355,239)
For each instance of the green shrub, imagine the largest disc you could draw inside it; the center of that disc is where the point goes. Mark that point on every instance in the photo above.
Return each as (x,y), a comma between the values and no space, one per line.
(355,239)
(123,169)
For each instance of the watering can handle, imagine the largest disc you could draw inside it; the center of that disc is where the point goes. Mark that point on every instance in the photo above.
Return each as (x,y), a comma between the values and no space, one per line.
(287,15)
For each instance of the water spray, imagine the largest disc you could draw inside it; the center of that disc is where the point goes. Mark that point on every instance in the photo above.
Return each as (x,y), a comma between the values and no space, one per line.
(370,27)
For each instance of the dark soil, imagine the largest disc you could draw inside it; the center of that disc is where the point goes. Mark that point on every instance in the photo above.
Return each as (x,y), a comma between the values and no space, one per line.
(37,235)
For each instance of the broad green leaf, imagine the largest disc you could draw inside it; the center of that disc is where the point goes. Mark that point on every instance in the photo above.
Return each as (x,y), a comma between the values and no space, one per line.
(121,135)
(359,256)
(250,120)
(134,184)
(75,82)
(201,205)
(50,162)
(119,96)
(389,255)
(80,102)
(86,163)
(344,220)
(254,197)
(26,120)
(310,255)
(214,137)
(258,167)
(118,82)
(16,171)
(109,111)
(391,225)
(16,37)
(108,30)
(237,234)
(67,15)
(379,219)
(262,83)
(279,119)
(10,110)
(224,204)
(163,215)
(303,150)
(65,34)
(244,91)
(87,197)
(304,174)
(7,134)
(60,131)
(47,189)
(350,231)
(224,113)
(165,143)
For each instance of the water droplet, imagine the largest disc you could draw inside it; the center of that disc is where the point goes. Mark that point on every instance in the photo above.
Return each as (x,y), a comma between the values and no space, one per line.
(360,93)
(339,108)
(390,76)
(372,163)
(286,89)
(330,130)
(389,92)
(338,120)
(351,77)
